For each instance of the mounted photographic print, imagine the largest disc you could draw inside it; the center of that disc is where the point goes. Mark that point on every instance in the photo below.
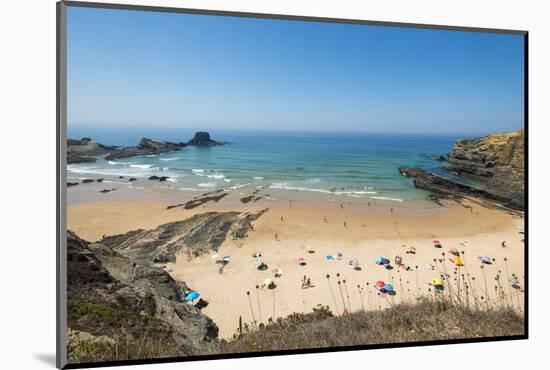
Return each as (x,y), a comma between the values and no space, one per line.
(234,184)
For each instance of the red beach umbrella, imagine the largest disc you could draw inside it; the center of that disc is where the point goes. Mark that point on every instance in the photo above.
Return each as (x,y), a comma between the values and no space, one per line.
(379,284)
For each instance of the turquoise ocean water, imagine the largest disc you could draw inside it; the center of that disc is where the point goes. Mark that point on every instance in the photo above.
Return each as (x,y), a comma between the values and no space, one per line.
(342,164)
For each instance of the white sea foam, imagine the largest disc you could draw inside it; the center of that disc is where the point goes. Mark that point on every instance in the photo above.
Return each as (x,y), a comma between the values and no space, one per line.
(168,159)
(286,186)
(197,170)
(143,166)
(258,178)
(387,198)
(239,186)
(207,184)
(216,176)
(227,180)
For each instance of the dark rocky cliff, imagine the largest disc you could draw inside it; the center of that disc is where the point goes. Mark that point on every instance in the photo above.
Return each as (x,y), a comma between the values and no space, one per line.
(145,147)
(85,150)
(497,160)
(114,303)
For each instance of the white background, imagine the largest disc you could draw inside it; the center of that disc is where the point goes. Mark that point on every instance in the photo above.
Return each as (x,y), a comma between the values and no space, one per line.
(28,206)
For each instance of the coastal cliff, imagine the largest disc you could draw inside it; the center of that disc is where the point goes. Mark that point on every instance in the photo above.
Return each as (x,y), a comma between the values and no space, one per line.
(113,301)
(496,160)
(85,150)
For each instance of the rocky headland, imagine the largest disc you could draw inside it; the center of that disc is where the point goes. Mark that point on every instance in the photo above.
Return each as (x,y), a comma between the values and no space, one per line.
(496,162)
(85,150)
(115,303)
(145,147)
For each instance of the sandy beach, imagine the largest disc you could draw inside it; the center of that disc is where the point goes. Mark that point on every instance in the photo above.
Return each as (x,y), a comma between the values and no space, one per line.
(370,231)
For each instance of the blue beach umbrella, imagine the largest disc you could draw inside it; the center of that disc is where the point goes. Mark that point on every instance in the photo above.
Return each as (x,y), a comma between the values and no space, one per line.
(192,296)
(388,287)
(379,261)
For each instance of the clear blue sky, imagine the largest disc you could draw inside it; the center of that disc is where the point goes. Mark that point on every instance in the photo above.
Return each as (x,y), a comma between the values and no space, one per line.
(133,68)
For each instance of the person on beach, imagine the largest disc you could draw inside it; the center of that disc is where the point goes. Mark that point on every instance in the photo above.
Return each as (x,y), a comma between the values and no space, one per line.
(309,284)
(304,282)
(345,224)
(391,210)
(276,236)
(325,219)
(282,219)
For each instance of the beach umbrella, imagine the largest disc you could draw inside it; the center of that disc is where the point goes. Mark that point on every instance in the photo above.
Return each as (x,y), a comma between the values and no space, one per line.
(429,266)
(301,261)
(309,249)
(267,283)
(388,287)
(379,261)
(464,243)
(382,294)
(436,242)
(192,296)
(330,257)
(354,263)
(437,282)
(486,259)
(458,261)
(380,284)
(454,251)
(278,273)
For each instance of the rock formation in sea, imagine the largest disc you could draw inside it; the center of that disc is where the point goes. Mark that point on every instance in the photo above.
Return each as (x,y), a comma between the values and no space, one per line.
(85,150)
(203,139)
(145,147)
(498,160)
(112,300)
(440,187)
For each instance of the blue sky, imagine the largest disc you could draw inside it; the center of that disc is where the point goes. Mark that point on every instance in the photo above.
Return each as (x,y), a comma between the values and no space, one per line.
(142,69)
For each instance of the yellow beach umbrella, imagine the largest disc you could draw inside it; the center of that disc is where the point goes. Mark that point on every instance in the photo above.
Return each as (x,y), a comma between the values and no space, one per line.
(437,282)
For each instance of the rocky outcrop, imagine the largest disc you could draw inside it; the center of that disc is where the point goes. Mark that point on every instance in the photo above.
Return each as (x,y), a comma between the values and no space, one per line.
(85,150)
(203,139)
(114,300)
(196,202)
(497,160)
(192,237)
(440,187)
(145,147)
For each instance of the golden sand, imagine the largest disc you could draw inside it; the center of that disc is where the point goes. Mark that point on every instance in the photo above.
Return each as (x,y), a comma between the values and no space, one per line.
(369,232)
